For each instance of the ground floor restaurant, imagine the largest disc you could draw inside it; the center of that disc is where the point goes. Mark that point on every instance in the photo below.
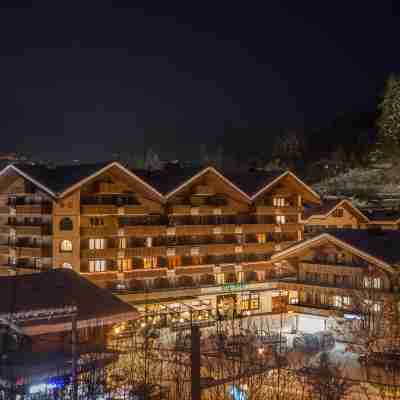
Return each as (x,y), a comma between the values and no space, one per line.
(227,302)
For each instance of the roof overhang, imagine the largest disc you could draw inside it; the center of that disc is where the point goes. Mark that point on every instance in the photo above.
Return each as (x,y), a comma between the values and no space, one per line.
(293,250)
(106,168)
(29,178)
(283,175)
(203,172)
(35,329)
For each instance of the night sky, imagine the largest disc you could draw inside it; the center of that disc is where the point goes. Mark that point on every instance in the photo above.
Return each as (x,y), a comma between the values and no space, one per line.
(88,82)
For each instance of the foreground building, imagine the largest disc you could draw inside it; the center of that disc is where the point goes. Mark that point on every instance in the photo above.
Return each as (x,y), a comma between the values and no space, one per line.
(167,235)
(334,274)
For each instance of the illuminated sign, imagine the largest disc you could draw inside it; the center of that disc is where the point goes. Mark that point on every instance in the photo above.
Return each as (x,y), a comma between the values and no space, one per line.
(231,287)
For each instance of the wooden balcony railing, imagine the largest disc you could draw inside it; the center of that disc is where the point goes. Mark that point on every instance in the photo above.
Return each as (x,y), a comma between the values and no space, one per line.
(4,249)
(33,229)
(278,210)
(99,231)
(4,210)
(313,309)
(99,253)
(99,209)
(33,251)
(33,209)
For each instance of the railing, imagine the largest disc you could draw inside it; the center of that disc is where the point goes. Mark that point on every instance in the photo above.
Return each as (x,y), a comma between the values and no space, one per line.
(99,209)
(32,229)
(4,210)
(278,210)
(33,209)
(28,251)
(4,249)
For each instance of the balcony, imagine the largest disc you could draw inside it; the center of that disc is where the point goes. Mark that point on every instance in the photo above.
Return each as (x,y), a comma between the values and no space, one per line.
(4,210)
(41,230)
(132,210)
(314,309)
(201,210)
(5,229)
(98,209)
(29,209)
(4,249)
(326,266)
(278,210)
(330,288)
(99,231)
(28,251)
(99,253)
(145,230)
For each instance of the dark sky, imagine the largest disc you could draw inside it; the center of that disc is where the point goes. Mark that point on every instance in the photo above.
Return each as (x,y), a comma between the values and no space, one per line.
(86,82)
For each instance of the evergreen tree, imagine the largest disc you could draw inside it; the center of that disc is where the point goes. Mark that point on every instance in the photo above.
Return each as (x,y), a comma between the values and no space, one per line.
(388,143)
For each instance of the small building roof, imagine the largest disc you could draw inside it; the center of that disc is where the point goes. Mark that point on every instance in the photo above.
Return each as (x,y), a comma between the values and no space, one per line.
(382,245)
(59,289)
(320,209)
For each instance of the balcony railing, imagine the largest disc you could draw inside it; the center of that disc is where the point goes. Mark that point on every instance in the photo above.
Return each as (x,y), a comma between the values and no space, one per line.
(32,251)
(278,210)
(4,210)
(33,209)
(4,249)
(32,229)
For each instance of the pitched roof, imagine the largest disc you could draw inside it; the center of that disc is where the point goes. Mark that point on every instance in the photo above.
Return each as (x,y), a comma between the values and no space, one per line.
(322,209)
(59,288)
(59,178)
(166,180)
(251,182)
(379,244)
(382,244)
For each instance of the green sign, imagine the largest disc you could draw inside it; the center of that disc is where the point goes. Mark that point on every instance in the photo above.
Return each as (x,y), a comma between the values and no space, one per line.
(231,287)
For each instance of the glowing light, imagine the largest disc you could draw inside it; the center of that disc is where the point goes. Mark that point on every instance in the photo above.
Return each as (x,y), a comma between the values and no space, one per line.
(260,351)
(143,324)
(117,330)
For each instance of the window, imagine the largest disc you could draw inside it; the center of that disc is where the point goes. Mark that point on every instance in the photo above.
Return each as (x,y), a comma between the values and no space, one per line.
(149,241)
(373,283)
(37,262)
(97,265)
(341,301)
(280,219)
(67,265)
(261,237)
(279,202)
(249,302)
(174,262)
(66,246)
(97,244)
(150,262)
(66,224)
(124,264)
(122,243)
(338,213)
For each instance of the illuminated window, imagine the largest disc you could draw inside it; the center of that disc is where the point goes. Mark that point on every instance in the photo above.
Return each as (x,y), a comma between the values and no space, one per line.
(280,219)
(341,301)
(96,244)
(250,302)
(174,262)
(149,241)
(66,246)
(338,213)
(279,202)
(124,264)
(97,265)
(150,262)
(261,237)
(67,265)
(66,224)
(373,283)
(122,243)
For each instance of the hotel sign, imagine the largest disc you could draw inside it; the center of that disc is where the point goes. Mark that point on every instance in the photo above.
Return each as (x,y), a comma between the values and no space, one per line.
(233,287)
